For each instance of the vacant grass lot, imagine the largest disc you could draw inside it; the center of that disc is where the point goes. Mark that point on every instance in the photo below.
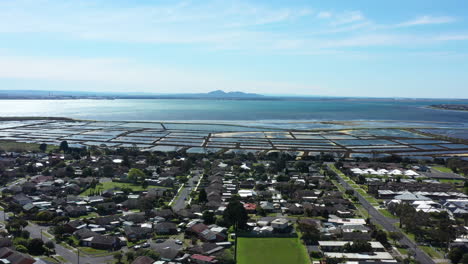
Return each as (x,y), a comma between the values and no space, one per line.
(271,251)
(19,146)
(110,185)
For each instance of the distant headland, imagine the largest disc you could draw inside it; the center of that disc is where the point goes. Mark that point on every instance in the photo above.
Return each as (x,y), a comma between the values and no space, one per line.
(455,107)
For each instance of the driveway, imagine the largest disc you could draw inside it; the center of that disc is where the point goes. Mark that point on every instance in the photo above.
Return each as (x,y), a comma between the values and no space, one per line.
(158,247)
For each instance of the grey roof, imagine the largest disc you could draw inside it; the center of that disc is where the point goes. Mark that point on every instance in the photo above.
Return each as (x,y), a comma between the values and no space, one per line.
(411,197)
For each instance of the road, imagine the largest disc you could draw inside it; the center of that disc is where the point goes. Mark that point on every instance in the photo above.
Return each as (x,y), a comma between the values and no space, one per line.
(18,181)
(184,194)
(377,217)
(69,255)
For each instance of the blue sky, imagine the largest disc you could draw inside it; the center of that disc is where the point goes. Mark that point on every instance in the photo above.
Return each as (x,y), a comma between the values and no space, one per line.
(335,48)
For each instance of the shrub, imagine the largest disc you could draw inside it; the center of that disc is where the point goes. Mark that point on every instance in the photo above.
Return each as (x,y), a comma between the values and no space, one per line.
(21,248)
(316,254)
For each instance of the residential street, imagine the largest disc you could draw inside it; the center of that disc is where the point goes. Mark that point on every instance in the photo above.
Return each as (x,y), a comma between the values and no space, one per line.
(72,257)
(184,196)
(69,255)
(377,217)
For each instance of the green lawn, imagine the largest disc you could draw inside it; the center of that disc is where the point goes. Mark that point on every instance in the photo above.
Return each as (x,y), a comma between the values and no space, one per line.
(271,251)
(61,259)
(357,187)
(443,169)
(7,145)
(453,181)
(110,185)
(433,253)
(403,251)
(90,215)
(386,213)
(95,252)
(49,259)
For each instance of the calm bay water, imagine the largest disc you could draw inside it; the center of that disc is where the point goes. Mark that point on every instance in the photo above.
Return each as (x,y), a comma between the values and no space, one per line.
(232,110)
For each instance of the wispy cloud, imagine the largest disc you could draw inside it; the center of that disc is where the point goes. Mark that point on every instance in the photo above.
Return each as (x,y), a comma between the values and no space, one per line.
(452,37)
(324,14)
(210,24)
(118,74)
(347,18)
(427,20)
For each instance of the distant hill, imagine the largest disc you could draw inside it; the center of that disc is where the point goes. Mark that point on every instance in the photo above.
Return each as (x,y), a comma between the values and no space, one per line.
(42,94)
(221,94)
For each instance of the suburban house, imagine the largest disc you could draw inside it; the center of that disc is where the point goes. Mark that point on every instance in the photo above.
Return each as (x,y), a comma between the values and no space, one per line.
(165,228)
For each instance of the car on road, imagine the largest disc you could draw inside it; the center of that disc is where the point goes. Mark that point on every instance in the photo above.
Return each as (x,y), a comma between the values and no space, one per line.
(145,245)
(159,240)
(137,246)
(178,242)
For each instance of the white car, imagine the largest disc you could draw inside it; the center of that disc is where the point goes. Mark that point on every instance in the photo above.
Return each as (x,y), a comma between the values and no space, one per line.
(178,242)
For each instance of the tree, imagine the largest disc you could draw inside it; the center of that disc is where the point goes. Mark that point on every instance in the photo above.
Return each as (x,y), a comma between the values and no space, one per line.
(301,166)
(136,175)
(148,252)
(118,256)
(329,260)
(456,254)
(358,246)
(146,204)
(130,256)
(202,197)
(44,216)
(126,161)
(59,231)
(25,234)
(19,241)
(227,257)
(36,246)
(108,171)
(49,245)
(310,233)
(144,184)
(395,236)
(464,259)
(261,211)
(235,214)
(43,147)
(381,236)
(87,172)
(208,217)
(64,146)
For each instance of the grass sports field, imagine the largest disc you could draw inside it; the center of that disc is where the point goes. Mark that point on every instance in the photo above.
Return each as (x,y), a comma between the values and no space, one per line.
(271,251)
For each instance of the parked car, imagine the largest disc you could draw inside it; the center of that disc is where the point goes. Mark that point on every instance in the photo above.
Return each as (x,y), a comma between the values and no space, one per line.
(159,240)
(178,242)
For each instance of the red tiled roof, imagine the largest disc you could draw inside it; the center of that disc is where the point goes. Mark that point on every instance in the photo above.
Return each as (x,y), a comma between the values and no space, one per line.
(198,228)
(202,257)
(250,206)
